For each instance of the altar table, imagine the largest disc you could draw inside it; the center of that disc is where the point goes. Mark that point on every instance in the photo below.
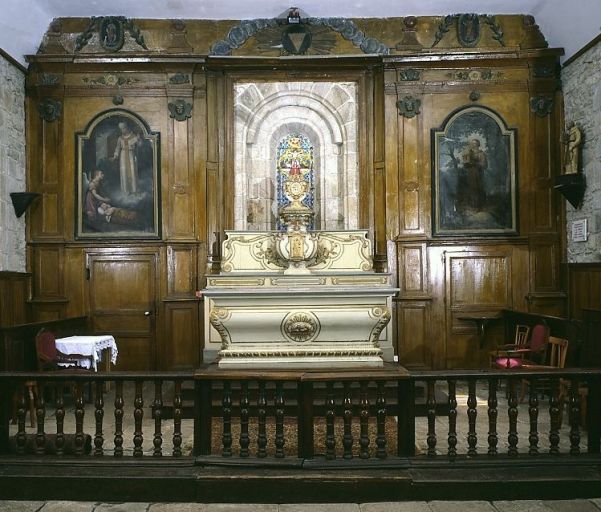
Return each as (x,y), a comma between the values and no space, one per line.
(91,347)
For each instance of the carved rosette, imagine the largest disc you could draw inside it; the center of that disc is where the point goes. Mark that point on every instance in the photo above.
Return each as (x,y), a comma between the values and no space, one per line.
(300,326)
(383,316)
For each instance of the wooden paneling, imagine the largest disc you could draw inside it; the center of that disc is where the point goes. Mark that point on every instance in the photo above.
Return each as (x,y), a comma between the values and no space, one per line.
(48,266)
(183,344)
(181,271)
(415,344)
(14,293)
(584,287)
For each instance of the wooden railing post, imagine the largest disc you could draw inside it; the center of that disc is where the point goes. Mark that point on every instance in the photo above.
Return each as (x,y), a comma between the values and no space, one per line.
(5,406)
(202,417)
(305,419)
(406,415)
(593,418)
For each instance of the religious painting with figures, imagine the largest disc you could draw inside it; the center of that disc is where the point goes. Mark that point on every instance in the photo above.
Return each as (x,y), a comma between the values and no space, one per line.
(117,188)
(474,175)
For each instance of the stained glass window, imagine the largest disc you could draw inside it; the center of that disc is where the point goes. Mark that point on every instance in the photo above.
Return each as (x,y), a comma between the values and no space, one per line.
(294,156)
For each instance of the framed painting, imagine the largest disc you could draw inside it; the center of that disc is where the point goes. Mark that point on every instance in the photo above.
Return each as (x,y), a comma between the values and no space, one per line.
(117,188)
(474,175)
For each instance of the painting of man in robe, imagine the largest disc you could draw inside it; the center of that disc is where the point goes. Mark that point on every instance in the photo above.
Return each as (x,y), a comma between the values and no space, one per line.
(474,175)
(118,176)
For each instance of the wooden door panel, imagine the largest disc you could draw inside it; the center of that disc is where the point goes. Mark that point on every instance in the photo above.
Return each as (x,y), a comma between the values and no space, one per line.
(123,298)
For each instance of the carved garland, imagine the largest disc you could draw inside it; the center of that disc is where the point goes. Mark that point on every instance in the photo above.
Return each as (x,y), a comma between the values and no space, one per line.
(239,34)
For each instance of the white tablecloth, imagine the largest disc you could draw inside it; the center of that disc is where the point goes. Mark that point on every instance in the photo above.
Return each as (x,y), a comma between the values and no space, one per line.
(88,346)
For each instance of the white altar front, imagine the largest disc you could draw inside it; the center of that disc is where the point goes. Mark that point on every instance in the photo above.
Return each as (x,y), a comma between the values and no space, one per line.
(267,309)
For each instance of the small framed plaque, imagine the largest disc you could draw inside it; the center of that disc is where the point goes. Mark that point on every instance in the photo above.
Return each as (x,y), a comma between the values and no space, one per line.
(579,231)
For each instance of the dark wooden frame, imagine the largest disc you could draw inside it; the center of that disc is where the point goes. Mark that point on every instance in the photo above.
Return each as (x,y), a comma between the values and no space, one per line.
(442,202)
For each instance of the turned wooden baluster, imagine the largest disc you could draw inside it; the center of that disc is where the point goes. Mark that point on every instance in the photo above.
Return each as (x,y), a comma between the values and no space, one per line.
(452,439)
(330,419)
(364,421)
(279,420)
(262,415)
(226,404)
(574,418)
(347,439)
(472,413)
(157,410)
(21,412)
(60,418)
(40,438)
(554,417)
(431,413)
(381,421)
(533,415)
(118,452)
(177,419)
(138,416)
(79,416)
(493,413)
(99,416)
(244,405)
(512,412)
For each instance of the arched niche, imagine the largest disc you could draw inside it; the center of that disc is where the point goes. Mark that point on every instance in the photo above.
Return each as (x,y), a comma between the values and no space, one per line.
(325,113)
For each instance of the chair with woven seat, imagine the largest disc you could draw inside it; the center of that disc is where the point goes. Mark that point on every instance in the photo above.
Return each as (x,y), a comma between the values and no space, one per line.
(520,356)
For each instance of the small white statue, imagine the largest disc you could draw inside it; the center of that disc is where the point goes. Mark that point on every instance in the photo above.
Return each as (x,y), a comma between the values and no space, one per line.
(572,140)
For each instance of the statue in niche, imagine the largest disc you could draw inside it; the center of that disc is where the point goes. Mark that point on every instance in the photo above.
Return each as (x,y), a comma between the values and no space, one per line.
(572,140)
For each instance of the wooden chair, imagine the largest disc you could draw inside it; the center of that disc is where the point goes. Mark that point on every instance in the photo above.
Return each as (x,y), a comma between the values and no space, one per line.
(556,352)
(520,341)
(519,356)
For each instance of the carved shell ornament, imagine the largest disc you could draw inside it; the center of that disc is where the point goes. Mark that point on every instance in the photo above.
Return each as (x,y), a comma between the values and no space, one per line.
(300,326)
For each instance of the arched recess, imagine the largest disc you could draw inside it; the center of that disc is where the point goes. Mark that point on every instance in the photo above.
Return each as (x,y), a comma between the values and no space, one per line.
(325,113)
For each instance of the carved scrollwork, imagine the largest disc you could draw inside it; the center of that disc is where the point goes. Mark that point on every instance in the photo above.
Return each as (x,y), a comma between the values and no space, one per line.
(216,318)
(383,316)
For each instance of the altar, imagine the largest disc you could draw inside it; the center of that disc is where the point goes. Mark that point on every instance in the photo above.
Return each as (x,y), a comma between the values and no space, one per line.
(334,312)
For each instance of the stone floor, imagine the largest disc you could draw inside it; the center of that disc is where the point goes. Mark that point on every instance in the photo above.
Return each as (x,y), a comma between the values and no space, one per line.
(592,505)
(523,424)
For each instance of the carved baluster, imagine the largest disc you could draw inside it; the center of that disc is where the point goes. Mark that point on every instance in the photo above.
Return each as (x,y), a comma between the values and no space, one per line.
(226,404)
(138,415)
(533,414)
(347,439)
(262,415)
(21,412)
(40,438)
(452,439)
(177,419)
(118,419)
(279,420)
(554,417)
(431,412)
(512,412)
(60,418)
(493,412)
(330,419)
(157,410)
(574,418)
(99,416)
(381,421)
(364,421)
(79,415)
(244,405)
(472,438)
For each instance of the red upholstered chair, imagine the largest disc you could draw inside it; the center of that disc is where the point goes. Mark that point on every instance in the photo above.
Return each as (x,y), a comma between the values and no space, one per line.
(49,357)
(522,357)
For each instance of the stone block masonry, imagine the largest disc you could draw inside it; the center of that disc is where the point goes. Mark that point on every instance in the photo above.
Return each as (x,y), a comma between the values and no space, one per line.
(12,165)
(582,96)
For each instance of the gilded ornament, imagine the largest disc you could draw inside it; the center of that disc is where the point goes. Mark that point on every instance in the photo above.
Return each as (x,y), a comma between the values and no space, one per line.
(301,326)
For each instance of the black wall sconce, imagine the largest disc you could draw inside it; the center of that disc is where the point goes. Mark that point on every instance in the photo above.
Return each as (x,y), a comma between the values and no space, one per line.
(571,186)
(22,201)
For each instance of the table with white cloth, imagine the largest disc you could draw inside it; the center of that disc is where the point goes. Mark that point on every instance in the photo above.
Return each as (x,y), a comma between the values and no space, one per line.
(92,348)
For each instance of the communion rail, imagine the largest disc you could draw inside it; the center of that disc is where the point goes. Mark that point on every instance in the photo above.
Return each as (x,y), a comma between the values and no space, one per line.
(376,415)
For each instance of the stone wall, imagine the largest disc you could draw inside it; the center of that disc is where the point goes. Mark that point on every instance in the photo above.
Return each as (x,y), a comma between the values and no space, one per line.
(582,96)
(12,164)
